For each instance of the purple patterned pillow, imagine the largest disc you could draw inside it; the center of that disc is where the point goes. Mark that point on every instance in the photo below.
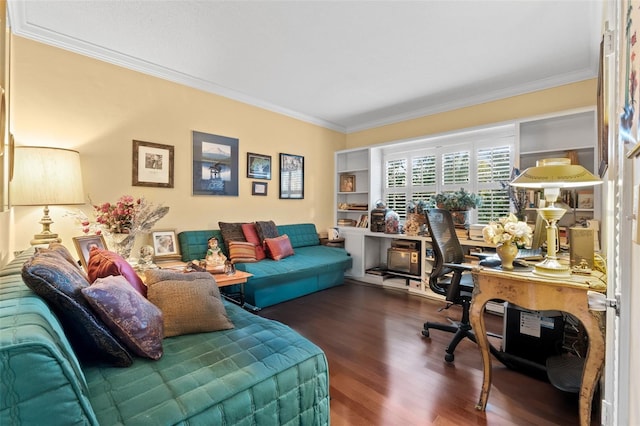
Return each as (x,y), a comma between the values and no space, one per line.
(132,318)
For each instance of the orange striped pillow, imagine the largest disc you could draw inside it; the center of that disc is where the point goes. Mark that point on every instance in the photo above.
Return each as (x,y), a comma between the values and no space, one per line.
(242,251)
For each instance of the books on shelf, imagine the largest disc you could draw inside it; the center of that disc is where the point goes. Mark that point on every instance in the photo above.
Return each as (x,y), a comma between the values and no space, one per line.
(364,221)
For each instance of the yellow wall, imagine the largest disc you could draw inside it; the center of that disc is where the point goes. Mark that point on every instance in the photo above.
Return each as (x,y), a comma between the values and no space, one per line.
(562,98)
(68,100)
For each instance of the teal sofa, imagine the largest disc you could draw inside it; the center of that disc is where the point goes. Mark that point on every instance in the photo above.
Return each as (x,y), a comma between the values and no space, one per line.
(313,267)
(259,373)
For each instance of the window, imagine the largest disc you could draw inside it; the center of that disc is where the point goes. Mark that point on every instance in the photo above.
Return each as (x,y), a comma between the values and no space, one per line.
(480,162)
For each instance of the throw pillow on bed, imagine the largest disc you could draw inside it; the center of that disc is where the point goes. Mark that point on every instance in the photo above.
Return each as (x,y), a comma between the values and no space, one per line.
(190,303)
(58,282)
(266,229)
(242,251)
(251,234)
(279,247)
(103,263)
(132,318)
(231,232)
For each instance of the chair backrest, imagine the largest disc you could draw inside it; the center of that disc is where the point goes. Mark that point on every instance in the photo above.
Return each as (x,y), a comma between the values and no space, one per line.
(445,244)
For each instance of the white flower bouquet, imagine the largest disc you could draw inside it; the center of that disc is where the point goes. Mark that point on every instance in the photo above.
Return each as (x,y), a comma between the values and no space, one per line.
(507,230)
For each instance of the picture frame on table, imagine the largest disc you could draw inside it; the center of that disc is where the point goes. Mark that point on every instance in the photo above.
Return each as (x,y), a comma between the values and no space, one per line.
(165,244)
(152,165)
(85,243)
(259,188)
(347,183)
(291,176)
(258,166)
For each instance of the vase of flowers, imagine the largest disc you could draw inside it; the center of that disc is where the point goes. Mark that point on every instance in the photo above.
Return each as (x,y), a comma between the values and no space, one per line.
(508,233)
(122,221)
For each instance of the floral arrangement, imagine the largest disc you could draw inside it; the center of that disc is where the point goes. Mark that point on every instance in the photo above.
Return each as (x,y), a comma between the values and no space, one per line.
(117,218)
(506,230)
(127,216)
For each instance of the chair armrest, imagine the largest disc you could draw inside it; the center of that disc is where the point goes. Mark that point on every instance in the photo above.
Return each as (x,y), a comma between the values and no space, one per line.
(458,267)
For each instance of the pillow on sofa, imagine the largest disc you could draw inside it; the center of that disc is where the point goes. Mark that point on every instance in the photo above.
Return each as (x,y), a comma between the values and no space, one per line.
(190,303)
(103,263)
(279,247)
(242,251)
(132,318)
(64,252)
(51,277)
(266,229)
(251,235)
(231,232)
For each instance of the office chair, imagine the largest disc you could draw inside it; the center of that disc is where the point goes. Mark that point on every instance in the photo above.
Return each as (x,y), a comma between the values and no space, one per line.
(448,278)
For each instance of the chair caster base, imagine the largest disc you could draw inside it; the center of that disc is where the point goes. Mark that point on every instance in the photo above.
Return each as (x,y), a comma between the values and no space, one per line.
(449,357)
(425,332)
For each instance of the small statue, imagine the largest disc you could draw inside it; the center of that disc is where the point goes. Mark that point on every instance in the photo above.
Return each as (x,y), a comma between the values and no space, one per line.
(214,257)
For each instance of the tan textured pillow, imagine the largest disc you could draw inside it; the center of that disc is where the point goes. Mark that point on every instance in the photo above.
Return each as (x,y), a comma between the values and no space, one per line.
(190,303)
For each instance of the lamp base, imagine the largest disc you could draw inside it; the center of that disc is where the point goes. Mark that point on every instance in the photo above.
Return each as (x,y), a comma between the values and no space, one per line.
(550,267)
(45,239)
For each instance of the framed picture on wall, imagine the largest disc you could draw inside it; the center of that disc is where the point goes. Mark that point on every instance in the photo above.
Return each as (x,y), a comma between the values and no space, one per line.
(259,188)
(152,165)
(215,164)
(258,166)
(291,176)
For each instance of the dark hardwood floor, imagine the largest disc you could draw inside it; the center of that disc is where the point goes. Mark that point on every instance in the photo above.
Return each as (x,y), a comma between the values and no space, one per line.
(383,372)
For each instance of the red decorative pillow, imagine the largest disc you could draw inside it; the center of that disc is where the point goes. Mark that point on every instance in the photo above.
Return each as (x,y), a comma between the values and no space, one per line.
(103,263)
(242,251)
(251,234)
(279,247)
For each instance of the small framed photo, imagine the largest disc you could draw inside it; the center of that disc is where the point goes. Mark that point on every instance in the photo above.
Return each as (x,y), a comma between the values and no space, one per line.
(165,245)
(347,183)
(84,245)
(258,188)
(258,166)
(585,199)
(152,165)
(291,176)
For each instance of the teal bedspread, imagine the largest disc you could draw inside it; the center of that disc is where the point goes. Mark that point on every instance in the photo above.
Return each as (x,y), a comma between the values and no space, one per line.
(261,372)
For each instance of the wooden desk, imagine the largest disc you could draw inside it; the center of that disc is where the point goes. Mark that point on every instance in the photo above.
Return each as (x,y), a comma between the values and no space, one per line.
(533,292)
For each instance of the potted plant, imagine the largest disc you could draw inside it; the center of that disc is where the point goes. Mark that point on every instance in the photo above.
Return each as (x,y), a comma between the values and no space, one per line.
(458,203)
(457,200)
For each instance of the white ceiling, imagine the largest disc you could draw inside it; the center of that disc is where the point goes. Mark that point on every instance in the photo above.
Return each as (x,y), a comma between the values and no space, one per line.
(346,65)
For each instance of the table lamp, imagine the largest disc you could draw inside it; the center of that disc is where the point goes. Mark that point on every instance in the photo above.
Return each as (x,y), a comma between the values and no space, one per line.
(551,175)
(43,177)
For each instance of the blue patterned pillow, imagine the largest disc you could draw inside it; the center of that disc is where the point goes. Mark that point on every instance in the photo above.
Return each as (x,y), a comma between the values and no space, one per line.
(58,282)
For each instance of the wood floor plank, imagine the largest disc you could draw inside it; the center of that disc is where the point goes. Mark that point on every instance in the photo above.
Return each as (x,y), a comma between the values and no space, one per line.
(383,372)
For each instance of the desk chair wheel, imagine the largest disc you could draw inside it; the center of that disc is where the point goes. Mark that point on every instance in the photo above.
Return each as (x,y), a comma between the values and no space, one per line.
(425,332)
(449,357)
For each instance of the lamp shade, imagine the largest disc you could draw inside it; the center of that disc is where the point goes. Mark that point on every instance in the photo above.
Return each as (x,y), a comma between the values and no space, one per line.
(555,173)
(46,176)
